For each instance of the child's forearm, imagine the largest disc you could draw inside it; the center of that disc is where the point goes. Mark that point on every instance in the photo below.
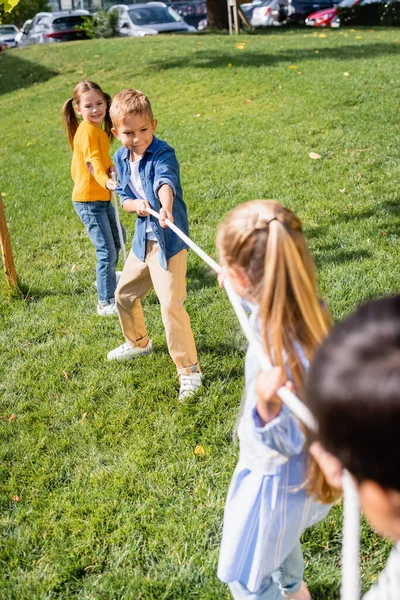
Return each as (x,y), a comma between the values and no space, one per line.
(268,411)
(166,197)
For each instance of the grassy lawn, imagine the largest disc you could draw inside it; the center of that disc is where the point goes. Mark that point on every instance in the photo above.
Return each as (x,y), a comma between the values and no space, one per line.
(114,504)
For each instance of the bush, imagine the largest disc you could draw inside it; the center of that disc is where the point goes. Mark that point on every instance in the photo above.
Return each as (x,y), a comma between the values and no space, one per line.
(101,25)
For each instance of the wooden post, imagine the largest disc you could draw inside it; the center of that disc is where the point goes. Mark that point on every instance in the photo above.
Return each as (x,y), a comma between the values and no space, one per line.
(8,261)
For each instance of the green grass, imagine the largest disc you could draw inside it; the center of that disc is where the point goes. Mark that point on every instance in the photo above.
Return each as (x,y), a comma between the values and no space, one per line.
(114,503)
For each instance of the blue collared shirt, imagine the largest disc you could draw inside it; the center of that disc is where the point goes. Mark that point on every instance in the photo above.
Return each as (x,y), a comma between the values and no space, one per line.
(158,166)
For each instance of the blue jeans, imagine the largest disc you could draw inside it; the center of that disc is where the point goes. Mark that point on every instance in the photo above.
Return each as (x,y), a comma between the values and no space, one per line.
(286,579)
(99,219)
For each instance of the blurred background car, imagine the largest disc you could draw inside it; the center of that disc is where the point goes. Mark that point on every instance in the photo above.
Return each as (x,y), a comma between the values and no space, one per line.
(22,32)
(8,34)
(270,13)
(368,13)
(324,18)
(192,11)
(286,12)
(60,26)
(149,19)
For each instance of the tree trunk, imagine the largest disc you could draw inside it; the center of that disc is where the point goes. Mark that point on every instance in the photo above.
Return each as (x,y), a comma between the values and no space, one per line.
(217,14)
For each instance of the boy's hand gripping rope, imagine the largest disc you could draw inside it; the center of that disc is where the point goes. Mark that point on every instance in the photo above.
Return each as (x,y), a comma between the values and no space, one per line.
(120,234)
(350,588)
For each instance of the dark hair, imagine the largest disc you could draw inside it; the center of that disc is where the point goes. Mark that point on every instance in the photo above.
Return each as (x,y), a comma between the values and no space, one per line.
(353,389)
(70,118)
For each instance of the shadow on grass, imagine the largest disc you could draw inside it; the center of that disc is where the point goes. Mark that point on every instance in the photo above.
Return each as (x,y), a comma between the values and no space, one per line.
(340,256)
(325,591)
(200,276)
(204,59)
(16,72)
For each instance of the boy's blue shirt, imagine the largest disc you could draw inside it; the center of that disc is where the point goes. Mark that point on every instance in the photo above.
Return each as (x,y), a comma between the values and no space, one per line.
(158,166)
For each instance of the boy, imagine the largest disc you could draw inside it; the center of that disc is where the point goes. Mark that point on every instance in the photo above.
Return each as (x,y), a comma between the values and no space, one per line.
(353,389)
(148,176)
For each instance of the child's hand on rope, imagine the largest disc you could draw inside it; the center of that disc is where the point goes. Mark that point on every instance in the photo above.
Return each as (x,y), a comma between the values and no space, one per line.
(141,207)
(268,403)
(111,185)
(165,214)
(221,277)
(331,467)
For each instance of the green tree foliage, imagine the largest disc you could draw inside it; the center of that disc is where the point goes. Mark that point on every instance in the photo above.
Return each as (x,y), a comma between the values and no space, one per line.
(102,25)
(25,9)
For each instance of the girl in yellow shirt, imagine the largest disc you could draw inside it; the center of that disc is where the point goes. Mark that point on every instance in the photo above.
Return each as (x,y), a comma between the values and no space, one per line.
(91,168)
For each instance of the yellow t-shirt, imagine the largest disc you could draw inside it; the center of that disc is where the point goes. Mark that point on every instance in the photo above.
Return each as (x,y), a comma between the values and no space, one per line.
(90,164)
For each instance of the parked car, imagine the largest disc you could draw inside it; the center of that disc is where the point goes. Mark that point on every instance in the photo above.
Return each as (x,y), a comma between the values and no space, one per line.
(8,34)
(286,12)
(192,11)
(324,18)
(271,13)
(24,29)
(58,26)
(149,19)
(368,13)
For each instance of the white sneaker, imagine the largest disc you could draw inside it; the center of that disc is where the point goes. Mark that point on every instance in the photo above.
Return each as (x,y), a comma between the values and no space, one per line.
(107,310)
(126,352)
(189,384)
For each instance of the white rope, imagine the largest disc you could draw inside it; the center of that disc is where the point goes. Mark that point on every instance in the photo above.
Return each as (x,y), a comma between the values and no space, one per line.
(119,227)
(292,402)
(350,588)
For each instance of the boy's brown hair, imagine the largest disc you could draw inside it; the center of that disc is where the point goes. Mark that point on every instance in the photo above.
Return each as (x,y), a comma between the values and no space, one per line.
(129,102)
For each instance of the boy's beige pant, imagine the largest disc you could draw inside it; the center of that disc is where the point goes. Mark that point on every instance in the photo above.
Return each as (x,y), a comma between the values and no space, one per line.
(136,281)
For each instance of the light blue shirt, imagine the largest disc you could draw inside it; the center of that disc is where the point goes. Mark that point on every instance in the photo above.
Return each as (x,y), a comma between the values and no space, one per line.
(267,508)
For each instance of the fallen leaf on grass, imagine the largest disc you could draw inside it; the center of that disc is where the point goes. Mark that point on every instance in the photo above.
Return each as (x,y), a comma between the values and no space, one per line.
(358,37)
(66,375)
(241,45)
(83,417)
(346,74)
(342,190)
(314,155)
(383,233)
(322,35)
(198,115)
(248,101)
(11,418)
(17,499)
(199,451)
(74,268)
(293,67)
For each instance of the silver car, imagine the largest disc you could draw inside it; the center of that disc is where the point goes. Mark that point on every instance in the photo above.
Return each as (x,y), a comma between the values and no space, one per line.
(149,19)
(48,27)
(8,34)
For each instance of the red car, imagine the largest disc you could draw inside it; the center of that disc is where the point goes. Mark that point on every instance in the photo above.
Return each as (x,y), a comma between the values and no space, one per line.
(324,18)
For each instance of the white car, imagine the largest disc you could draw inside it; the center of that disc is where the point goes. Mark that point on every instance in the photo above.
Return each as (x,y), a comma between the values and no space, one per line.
(270,13)
(8,34)
(149,19)
(46,27)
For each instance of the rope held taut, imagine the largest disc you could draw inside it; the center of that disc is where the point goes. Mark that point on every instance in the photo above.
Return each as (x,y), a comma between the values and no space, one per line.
(119,227)
(350,588)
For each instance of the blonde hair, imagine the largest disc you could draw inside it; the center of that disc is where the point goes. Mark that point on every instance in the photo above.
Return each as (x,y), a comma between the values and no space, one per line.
(266,241)
(129,102)
(70,117)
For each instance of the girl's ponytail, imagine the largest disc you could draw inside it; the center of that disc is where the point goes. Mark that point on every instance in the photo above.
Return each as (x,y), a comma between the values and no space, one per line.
(107,119)
(70,121)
